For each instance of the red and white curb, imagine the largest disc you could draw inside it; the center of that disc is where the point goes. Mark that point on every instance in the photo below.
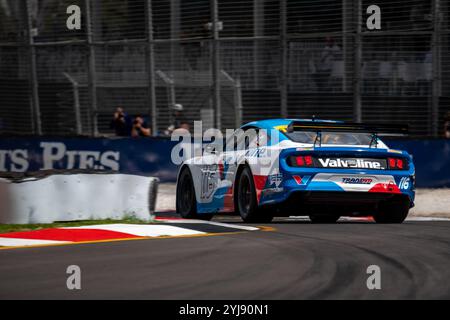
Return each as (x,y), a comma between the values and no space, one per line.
(105,232)
(112,232)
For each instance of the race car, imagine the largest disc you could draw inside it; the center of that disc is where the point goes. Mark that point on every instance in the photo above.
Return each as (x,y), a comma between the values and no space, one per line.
(300,167)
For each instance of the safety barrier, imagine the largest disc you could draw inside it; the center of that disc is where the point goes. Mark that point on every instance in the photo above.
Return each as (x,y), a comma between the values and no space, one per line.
(67,197)
(152,156)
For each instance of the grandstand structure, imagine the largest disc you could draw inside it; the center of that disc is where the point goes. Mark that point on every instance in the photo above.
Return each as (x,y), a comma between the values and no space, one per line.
(226,61)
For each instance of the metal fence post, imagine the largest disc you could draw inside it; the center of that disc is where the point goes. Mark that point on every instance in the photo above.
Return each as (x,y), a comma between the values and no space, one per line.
(357,113)
(170,85)
(237,94)
(436,67)
(238,102)
(76,102)
(150,56)
(36,110)
(258,31)
(344,43)
(92,81)
(283,60)
(175,33)
(216,65)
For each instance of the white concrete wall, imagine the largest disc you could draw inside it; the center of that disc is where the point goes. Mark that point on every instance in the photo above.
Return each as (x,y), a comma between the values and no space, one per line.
(432,202)
(68,197)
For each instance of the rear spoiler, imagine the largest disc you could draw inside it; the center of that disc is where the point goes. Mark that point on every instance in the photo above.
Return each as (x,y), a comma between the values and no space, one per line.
(380,129)
(374,129)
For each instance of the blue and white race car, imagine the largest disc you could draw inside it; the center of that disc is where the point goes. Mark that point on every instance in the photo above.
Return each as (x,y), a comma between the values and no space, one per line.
(297,167)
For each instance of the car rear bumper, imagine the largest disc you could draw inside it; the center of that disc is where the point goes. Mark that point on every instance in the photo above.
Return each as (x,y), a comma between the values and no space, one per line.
(332,202)
(339,187)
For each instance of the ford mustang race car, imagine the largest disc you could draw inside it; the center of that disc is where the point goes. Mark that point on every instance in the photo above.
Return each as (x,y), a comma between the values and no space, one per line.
(298,167)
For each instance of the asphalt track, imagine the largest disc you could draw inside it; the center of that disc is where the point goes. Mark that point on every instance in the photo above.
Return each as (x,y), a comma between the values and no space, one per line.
(298,260)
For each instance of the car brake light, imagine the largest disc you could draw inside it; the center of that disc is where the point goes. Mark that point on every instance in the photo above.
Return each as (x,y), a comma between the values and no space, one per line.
(391,163)
(304,161)
(396,163)
(308,160)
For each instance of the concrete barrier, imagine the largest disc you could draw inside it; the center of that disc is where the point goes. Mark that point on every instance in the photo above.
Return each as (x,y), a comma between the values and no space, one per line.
(69,197)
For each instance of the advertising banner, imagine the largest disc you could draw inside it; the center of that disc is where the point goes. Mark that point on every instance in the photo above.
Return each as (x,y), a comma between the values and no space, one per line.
(152,156)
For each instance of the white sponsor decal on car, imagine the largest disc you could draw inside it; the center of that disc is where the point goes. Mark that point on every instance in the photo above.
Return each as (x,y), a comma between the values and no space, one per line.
(357,180)
(404,183)
(350,163)
(275,179)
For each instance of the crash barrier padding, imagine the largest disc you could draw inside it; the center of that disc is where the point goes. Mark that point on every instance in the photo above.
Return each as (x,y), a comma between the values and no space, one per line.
(78,196)
(152,156)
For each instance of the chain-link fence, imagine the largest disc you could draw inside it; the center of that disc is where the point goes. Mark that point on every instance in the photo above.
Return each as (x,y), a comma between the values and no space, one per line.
(225,61)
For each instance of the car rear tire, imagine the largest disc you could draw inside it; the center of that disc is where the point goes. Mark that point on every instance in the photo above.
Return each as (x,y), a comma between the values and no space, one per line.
(246,201)
(392,212)
(186,202)
(324,218)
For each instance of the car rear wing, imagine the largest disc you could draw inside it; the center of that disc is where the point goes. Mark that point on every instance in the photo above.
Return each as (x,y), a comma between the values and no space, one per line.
(374,129)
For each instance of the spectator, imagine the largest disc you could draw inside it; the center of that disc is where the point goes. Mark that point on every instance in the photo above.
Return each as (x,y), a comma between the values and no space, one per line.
(325,65)
(178,119)
(183,125)
(140,128)
(447,125)
(420,17)
(121,123)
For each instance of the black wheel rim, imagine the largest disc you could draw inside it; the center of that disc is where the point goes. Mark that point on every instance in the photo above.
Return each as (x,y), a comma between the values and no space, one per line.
(245,194)
(186,194)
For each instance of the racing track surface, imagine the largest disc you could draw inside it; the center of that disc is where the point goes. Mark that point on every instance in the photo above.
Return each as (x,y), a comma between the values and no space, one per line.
(297,260)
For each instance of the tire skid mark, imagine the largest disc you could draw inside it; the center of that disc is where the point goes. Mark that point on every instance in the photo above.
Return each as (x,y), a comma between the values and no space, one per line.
(335,283)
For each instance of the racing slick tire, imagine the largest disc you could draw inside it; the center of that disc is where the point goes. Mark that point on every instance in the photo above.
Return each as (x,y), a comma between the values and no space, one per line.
(324,218)
(392,212)
(186,203)
(246,202)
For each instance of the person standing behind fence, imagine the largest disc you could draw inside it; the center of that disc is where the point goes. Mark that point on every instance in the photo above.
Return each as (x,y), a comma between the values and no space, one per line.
(447,125)
(140,128)
(178,120)
(121,123)
(325,64)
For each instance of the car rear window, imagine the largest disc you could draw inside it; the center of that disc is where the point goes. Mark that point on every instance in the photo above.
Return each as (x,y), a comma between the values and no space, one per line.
(338,138)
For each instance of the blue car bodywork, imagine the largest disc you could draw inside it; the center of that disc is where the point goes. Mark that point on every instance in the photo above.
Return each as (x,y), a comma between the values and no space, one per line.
(336,176)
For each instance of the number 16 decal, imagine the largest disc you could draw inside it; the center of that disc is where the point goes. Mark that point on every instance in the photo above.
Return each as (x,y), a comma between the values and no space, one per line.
(404,183)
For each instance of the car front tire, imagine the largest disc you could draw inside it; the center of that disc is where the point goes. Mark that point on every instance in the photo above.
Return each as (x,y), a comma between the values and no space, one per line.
(186,202)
